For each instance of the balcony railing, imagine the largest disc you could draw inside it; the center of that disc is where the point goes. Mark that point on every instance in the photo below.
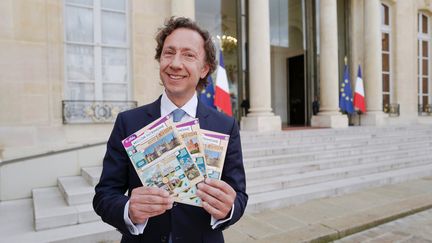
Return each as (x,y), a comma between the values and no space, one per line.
(393,109)
(85,111)
(425,110)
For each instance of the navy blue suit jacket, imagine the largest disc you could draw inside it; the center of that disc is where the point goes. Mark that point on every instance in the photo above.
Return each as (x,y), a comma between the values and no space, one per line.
(185,223)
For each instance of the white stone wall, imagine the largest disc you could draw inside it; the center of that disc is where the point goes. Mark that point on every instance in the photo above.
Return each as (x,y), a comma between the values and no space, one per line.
(32,74)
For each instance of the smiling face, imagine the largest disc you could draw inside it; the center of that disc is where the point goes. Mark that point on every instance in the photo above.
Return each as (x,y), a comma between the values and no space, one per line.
(182,64)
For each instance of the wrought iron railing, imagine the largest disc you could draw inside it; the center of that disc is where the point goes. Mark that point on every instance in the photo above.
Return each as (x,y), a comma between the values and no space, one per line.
(425,110)
(393,109)
(85,111)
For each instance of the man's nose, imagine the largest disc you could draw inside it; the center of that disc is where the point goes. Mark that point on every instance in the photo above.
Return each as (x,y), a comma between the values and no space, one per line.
(176,62)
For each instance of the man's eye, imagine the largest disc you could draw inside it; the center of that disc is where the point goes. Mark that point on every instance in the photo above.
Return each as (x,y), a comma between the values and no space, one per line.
(168,52)
(189,55)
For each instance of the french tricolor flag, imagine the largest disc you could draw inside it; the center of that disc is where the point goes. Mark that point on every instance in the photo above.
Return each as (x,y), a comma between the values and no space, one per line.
(359,95)
(222,95)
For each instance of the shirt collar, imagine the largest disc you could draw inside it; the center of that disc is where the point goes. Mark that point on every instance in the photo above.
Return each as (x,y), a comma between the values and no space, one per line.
(167,106)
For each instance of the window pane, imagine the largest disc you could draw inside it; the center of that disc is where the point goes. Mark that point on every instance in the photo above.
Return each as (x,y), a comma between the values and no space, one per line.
(113,28)
(385,42)
(80,91)
(80,63)
(425,86)
(115,92)
(385,62)
(84,2)
(114,4)
(79,24)
(114,63)
(425,67)
(424,24)
(385,14)
(425,48)
(386,82)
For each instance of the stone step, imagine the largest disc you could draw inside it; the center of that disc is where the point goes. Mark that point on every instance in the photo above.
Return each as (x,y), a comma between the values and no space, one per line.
(305,141)
(296,195)
(384,149)
(359,146)
(52,211)
(91,174)
(76,190)
(319,176)
(324,133)
(279,169)
(334,134)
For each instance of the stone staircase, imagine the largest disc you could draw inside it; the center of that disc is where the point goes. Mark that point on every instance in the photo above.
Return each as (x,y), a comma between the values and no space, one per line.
(69,203)
(282,168)
(293,167)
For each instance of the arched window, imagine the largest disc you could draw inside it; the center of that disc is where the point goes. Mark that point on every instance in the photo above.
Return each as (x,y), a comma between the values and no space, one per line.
(386,57)
(423,50)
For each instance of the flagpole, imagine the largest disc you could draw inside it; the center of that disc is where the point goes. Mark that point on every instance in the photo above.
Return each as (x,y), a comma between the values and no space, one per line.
(359,114)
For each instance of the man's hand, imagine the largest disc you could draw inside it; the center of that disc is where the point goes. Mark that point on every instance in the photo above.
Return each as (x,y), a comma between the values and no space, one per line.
(217,196)
(146,202)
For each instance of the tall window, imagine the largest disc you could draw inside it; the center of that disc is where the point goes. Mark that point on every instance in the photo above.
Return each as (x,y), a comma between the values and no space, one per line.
(386,57)
(220,18)
(96,50)
(423,49)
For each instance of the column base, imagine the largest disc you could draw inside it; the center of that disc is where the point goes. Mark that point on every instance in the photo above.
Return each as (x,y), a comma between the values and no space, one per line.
(330,120)
(261,123)
(374,118)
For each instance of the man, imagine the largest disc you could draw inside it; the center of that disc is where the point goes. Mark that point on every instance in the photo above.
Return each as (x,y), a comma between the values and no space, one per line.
(186,56)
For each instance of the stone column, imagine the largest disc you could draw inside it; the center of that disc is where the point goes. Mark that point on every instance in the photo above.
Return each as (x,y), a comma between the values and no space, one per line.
(406,92)
(373,64)
(329,115)
(183,8)
(261,117)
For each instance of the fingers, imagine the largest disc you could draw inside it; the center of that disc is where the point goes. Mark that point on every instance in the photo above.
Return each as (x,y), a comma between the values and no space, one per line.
(150,191)
(217,196)
(222,185)
(216,213)
(146,202)
(140,213)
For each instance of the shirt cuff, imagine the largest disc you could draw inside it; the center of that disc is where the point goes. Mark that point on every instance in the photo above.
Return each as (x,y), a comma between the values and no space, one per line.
(214,222)
(134,229)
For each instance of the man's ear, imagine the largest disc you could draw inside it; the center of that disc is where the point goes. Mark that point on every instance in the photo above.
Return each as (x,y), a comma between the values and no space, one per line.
(204,71)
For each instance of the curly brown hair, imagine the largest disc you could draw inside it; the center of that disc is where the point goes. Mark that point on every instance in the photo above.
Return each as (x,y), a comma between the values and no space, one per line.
(182,22)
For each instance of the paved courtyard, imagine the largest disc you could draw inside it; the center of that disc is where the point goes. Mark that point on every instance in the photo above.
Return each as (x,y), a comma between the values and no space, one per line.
(328,219)
(416,228)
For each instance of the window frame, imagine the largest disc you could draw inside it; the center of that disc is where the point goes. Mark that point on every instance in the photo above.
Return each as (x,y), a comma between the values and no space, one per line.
(421,37)
(97,46)
(387,29)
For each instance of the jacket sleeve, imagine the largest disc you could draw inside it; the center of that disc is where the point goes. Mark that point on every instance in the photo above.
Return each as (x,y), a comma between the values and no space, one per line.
(110,199)
(234,174)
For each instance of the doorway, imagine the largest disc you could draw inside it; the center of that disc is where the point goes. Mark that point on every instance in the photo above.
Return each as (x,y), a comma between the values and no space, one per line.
(296,91)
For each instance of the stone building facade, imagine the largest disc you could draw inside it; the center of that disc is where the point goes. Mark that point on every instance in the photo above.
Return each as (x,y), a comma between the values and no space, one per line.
(68,67)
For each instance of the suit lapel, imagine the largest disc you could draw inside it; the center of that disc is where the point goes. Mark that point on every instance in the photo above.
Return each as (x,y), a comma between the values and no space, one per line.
(153,111)
(202,114)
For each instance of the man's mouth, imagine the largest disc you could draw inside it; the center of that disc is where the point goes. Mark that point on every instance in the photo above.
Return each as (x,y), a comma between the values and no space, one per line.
(176,77)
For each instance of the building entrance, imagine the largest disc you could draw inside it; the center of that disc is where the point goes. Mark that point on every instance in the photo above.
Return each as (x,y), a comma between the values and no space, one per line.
(296,91)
